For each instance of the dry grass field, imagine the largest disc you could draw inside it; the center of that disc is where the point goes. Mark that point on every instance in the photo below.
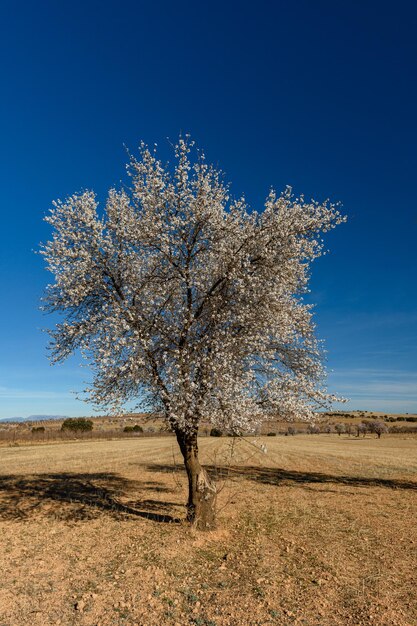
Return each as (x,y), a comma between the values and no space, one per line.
(320,530)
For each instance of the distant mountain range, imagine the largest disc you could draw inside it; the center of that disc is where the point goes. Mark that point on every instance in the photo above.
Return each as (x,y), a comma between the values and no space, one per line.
(33,418)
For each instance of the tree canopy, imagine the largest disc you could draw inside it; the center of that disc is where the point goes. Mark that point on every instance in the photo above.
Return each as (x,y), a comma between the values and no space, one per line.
(185,299)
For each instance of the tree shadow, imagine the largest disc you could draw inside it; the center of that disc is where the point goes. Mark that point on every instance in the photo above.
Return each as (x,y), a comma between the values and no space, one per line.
(279,476)
(74,496)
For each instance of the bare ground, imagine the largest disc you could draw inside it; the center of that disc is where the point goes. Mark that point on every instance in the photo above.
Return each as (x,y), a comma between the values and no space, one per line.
(320,530)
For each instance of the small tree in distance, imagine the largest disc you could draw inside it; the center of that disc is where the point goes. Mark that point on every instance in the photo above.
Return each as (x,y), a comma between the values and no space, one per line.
(378,428)
(348,429)
(361,429)
(340,428)
(187,302)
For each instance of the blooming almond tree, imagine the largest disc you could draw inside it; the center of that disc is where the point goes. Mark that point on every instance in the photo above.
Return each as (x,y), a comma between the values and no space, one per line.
(184,300)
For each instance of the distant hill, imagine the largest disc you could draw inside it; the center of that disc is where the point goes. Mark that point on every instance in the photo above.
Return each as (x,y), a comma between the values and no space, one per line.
(33,418)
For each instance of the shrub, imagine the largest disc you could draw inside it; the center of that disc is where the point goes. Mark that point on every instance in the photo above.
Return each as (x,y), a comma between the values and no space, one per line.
(38,429)
(133,429)
(271,434)
(216,432)
(77,424)
(403,429)
(291,430)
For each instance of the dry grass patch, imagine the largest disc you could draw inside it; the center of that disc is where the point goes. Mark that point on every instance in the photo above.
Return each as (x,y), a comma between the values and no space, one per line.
(318,531)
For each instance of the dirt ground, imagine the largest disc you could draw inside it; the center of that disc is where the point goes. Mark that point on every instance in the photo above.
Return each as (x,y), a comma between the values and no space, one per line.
(319,530)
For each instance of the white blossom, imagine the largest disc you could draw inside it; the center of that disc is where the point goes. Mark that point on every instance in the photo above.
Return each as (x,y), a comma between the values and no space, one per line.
(185,300)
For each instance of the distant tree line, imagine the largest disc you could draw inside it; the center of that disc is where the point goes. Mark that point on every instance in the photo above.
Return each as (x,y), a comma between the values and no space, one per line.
(376,427)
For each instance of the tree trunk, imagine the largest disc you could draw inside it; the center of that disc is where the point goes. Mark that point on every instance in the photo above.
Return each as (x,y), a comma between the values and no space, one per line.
(201,490)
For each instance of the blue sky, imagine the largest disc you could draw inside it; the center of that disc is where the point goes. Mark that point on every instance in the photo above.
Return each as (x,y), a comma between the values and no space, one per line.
(319,95)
